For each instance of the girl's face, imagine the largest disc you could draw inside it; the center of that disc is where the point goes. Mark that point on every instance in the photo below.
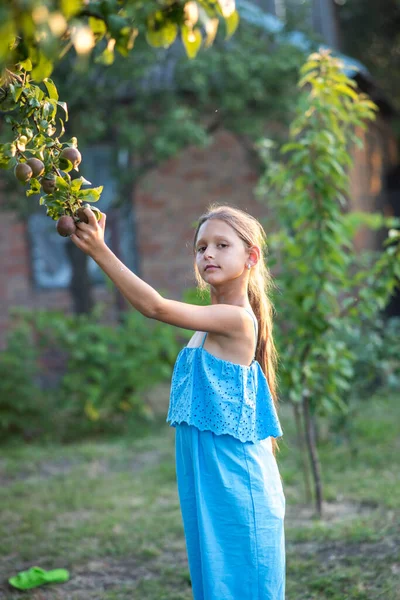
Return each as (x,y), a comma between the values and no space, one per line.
(218,244)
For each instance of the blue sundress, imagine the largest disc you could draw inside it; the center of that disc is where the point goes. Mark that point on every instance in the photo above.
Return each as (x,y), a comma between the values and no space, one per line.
(229,486)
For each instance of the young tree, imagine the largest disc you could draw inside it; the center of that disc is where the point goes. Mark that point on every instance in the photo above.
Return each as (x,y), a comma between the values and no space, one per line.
(325,285)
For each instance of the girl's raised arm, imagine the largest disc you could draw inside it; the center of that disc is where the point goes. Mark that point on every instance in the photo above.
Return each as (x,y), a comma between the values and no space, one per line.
(216,318)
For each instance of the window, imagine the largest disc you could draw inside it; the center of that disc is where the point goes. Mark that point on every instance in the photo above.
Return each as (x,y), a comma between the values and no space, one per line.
(50,265)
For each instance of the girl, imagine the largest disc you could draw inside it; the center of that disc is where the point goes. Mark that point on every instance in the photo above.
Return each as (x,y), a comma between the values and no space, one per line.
(223,405)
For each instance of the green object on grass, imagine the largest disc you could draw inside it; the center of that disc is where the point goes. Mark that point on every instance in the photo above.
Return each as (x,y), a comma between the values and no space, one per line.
(35,576)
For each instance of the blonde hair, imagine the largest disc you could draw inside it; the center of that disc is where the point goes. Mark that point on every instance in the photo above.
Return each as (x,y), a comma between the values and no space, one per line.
(251,232)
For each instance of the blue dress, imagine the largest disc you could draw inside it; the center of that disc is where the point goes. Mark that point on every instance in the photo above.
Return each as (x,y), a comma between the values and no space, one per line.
(230,490)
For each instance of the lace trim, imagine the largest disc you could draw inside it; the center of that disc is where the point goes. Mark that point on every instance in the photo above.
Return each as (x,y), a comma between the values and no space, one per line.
(224,431)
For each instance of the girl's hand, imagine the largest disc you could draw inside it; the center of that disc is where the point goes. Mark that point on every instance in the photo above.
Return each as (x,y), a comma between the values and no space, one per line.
(89,237)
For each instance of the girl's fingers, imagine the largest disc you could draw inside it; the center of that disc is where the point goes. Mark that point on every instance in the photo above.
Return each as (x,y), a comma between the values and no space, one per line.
(73,237)
(90,215)
(82,226)
(79,243)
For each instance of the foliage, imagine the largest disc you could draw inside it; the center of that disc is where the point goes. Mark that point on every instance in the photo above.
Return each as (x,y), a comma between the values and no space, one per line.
(195,296)
(247,83)
(80,376)
(102,373)
(34,122)
(326,287)
(376,347)
(45,31)
(155,102)
(36,35)
(21,400)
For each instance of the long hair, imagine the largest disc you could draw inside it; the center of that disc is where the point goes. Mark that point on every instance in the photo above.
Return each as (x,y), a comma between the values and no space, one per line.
(250,230)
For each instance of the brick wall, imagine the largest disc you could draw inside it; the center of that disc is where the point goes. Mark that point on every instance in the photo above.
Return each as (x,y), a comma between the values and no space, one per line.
(371,163)
(16,285)
(170,199)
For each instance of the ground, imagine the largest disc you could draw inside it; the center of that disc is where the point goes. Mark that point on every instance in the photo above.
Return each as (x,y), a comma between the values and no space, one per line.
(109,512)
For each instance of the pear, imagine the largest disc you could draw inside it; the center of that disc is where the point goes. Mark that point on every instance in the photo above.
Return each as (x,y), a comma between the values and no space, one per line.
(36,165)
(23,172)
(73,155)
(82,216)
(48,185)
(66,225)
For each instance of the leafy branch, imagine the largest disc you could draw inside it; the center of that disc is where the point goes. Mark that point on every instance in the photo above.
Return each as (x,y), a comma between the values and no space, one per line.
(37,154)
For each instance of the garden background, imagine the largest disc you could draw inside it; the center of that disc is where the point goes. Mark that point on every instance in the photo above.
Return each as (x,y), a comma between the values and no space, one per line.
(263,118)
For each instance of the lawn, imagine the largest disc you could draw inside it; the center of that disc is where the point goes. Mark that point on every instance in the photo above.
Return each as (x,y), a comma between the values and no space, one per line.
(109,512)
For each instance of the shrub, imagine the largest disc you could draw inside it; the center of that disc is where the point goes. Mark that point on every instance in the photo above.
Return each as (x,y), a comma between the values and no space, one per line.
(98,381)
(21,399)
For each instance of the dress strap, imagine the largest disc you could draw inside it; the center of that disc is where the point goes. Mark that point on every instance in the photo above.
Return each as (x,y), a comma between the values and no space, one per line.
(255,329)
(255,322)
(204,339)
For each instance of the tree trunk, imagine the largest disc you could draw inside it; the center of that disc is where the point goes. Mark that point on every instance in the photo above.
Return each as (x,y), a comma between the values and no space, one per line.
(301,443)
(80,286)
(313,454)
(121,303)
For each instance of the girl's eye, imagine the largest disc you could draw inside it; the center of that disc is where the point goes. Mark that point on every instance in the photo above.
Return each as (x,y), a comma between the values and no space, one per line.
(202,247)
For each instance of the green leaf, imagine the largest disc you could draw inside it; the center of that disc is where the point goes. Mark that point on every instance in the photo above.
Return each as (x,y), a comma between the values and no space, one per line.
(291,146)
(35,185)
(26,64)
(344,89)
(307,78)
(51,89)
(106,57)
(71,7)
(18,92)
(232,23)
(126,40)
(62,184)
(31,193)
(65,165)
(98,27)
(64,107)
(77,183)
(191,40)
(9,150)
(43,67)
(92,195)
(310,64)
(308,303)
(62,128)
(162,37)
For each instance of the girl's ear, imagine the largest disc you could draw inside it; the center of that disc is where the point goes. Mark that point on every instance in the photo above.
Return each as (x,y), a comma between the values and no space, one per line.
(254,255)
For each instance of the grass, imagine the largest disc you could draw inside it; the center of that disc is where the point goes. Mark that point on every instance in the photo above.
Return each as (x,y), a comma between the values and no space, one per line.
(109,512)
